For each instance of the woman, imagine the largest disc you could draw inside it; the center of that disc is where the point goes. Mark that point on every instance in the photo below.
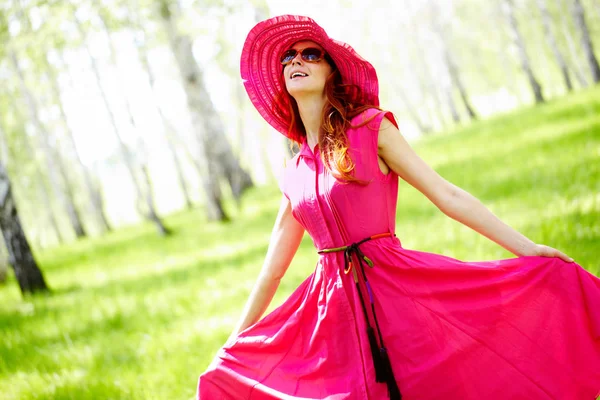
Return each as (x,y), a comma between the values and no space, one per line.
(375,320)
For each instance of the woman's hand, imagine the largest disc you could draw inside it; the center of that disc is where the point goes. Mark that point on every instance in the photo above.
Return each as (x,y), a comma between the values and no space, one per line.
(547,251)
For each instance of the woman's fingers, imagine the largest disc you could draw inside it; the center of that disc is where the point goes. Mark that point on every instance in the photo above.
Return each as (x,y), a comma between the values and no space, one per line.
(547,251)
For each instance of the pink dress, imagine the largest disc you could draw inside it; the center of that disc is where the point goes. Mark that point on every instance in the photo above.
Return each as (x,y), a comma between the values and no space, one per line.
(519,328)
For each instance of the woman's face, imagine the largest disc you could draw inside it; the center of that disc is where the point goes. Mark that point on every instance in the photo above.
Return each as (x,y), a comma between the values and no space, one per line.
(316,73)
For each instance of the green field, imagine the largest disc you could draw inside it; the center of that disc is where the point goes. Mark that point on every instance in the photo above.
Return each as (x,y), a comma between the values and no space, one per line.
(135,316)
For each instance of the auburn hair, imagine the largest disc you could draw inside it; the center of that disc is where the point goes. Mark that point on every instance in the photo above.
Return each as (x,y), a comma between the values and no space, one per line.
(343,104)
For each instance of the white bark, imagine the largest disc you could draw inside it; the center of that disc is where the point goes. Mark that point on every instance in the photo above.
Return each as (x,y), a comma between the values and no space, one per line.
(169,130)
(94,192)
(457,81)
(43,193)
(427,85)
(443,36)
(509,11)
(145,186)
(124,150)
(20,257)
(54,166)
(3,262)
(207,123)
(3,252)
(586,41)
(551,39)
(575,61)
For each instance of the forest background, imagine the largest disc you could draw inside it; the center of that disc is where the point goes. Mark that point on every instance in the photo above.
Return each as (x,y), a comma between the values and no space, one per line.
(136,177)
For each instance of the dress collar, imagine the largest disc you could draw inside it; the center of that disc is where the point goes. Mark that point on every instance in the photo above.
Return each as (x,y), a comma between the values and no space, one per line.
(305,151)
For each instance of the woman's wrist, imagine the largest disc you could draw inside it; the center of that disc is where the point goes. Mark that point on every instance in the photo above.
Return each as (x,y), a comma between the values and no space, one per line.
(527,248)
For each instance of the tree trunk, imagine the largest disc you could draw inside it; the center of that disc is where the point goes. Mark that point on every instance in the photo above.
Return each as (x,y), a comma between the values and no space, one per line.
(182,49)
(44,194)
(94,192)
(495,14)
(586,42)
(162,229)
(457,81)
(439,27)
(551,39)
(509,12)
(3,262)
(4,149)
(124,150)
(576,65)
(64,195)
(452,105)
(145,184)
(207,123)
(429,86)
(3,252)
(168,128)
(27,273)
(423,127)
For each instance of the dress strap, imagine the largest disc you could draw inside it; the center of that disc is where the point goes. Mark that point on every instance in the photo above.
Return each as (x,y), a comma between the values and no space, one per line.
(381,360)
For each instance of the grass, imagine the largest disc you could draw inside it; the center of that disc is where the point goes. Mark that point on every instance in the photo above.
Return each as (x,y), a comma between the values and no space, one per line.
(135,316)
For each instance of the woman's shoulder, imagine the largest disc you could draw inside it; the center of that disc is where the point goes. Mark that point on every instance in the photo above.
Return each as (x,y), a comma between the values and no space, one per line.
(371,119)
(364,116)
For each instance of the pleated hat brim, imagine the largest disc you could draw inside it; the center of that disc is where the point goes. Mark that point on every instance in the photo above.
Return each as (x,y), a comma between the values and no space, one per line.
(261,69)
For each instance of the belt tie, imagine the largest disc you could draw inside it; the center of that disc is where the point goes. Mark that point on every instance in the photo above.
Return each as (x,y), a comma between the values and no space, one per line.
(381,360)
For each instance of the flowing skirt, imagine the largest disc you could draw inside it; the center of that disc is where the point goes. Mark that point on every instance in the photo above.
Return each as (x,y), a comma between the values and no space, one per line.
(519,328)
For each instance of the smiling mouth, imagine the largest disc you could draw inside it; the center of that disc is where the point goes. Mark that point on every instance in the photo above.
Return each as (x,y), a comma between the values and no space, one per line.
(296,75)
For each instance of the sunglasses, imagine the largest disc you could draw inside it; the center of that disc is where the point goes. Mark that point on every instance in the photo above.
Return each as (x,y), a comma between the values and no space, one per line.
(309,54)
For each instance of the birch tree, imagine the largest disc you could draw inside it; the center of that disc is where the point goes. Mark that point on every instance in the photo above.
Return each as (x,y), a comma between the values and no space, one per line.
(3,262)
(170,132)
(208,127)
(145,183)
(55,167)
(3,252)
(552,43)
(43,193)
(509,12)
(577,66)
(248,142)
(127,156)
(586,41)
(456,81)
(424,76)
(21,259)
(93,191)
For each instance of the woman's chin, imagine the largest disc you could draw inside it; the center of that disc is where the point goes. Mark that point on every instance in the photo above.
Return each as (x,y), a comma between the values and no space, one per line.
(298,89)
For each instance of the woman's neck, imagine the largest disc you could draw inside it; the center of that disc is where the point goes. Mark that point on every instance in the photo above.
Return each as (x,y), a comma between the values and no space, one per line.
(310,113)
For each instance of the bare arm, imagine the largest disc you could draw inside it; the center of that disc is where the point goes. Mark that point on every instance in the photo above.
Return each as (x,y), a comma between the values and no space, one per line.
(285,240)
(450,199)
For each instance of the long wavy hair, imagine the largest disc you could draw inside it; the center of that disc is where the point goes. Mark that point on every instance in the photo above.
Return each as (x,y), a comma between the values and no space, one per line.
(342,105)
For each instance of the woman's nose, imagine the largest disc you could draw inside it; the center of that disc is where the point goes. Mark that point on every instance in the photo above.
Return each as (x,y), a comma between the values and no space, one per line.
(297,59)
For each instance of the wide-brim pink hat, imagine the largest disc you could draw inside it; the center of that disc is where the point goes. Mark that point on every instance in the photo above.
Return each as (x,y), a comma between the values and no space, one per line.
(262,74)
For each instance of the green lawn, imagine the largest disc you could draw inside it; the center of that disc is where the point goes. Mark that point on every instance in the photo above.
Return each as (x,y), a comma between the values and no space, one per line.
(135,316)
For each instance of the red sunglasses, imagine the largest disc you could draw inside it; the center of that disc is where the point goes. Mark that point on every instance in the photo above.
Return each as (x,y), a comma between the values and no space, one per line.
(309,54)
